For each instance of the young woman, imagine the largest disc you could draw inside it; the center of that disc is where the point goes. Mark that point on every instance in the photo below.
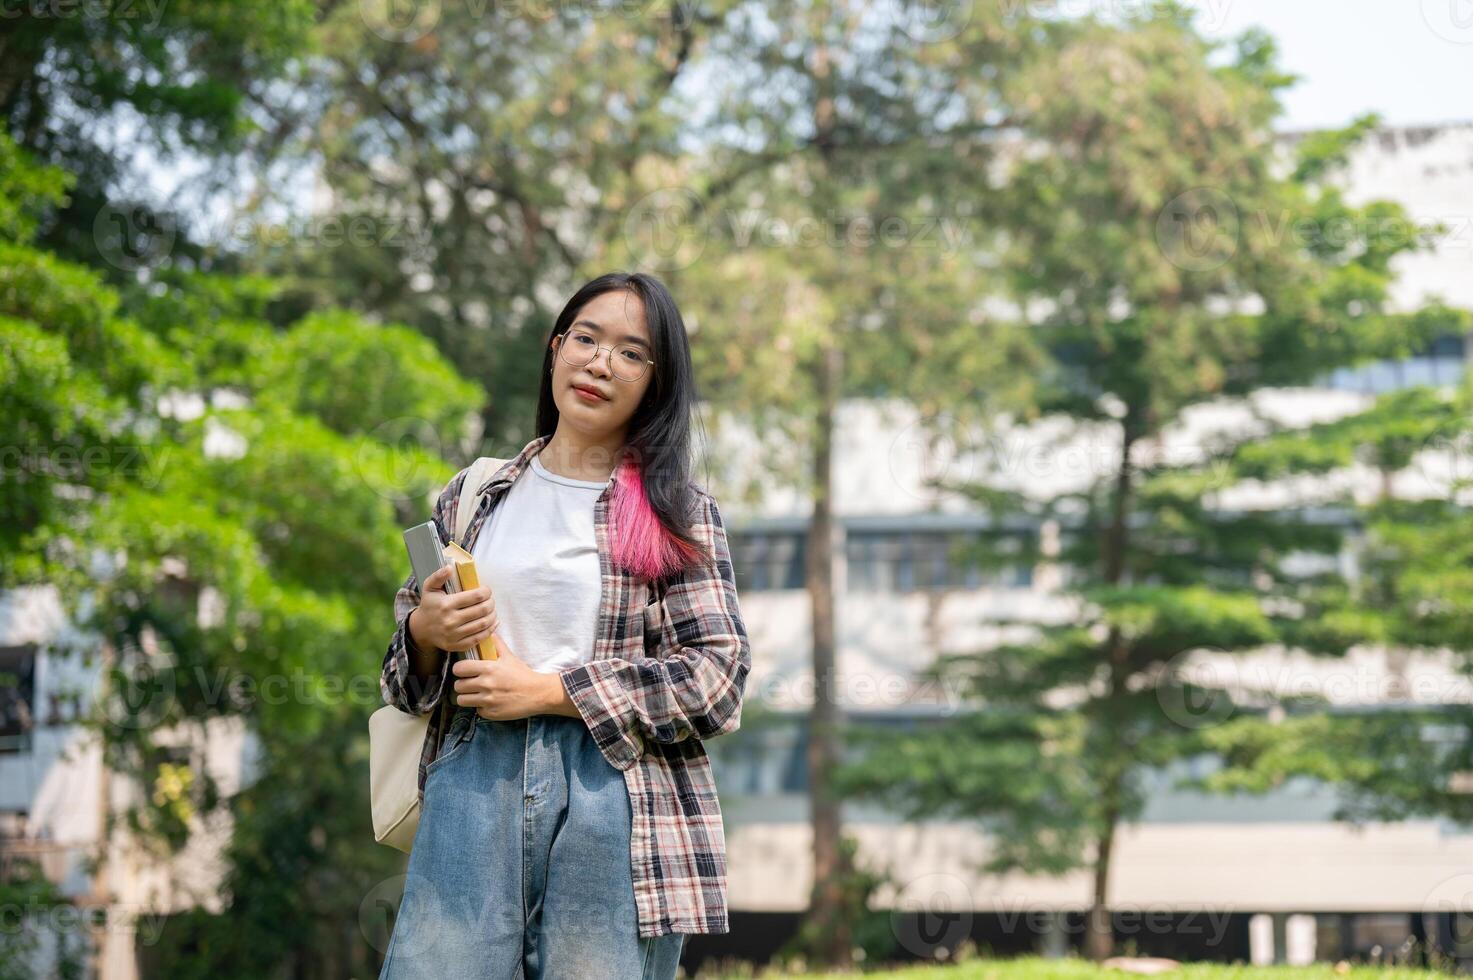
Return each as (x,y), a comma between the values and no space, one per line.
(569,826)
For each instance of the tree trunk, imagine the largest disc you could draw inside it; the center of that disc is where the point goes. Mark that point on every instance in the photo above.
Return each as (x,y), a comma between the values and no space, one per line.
(826,902)
(101,867)
(16,69)
(826,905)
(1099,934)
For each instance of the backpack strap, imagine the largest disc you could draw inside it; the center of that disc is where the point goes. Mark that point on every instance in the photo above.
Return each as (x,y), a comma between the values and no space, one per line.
(482,468)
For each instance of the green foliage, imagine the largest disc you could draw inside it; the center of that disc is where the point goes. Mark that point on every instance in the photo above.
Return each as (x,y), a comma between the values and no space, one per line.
(872,930)
(220,504)
(496,202)
(1077,968)
(32,905)
(27,192)
(1328,150)
(75,304)
(1390,766)
(1412,593)
(185,77)
(354,380)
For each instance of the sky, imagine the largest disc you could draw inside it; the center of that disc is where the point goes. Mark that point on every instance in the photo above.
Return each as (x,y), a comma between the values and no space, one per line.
(1409,60)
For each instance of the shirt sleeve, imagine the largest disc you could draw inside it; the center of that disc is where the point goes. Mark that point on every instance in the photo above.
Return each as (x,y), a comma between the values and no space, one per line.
(397,682)
(694,685)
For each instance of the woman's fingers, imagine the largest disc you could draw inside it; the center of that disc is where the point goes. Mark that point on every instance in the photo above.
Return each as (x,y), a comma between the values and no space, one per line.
(477,629)
(470,597)
(472,687)
(469,614)
(436,580)
(467,627)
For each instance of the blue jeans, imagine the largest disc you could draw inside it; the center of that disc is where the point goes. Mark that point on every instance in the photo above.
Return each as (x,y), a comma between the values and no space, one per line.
(520,866)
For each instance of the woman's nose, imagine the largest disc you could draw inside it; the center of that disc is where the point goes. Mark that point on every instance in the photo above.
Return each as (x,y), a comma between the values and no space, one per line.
(604,364)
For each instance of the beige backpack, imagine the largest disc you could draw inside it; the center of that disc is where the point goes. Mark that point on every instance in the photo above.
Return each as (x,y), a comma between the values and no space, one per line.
(396,738)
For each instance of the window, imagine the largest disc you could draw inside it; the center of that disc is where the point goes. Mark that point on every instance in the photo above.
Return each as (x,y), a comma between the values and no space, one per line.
(775,762)
(17,695)
(890,560)
(1441,363)
(766,761)
(926,560)
(768,560)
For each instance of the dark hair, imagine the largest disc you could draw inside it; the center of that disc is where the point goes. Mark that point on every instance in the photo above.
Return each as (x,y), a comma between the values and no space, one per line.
(659,436)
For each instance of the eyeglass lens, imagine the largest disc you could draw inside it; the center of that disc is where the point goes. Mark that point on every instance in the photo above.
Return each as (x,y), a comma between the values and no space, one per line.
(626,361)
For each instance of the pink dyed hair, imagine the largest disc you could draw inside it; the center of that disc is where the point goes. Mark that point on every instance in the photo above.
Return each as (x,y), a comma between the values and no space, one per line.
(641,543)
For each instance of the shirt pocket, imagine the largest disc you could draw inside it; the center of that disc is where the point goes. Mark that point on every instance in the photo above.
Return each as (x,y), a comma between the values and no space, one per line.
(653,618)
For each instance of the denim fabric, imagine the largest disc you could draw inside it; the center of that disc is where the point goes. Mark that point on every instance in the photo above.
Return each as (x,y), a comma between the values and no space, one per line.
(521,863)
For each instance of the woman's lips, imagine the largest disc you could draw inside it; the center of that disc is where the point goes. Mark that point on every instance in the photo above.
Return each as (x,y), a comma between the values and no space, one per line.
(586,394)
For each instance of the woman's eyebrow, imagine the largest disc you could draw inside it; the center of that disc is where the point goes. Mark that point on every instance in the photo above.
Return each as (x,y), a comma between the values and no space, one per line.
(629,337)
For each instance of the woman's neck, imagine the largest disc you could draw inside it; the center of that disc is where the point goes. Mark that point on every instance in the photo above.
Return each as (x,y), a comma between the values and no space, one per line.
(578,457)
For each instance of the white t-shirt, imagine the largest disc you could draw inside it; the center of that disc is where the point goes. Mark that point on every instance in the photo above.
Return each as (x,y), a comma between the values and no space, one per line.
(539,554)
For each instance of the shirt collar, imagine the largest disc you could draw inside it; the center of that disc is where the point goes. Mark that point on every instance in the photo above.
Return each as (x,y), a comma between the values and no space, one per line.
(513,467)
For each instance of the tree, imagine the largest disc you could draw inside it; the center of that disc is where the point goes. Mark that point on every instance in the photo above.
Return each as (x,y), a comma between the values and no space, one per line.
(1407,539)
(477,157)
(34,901)
(834,231)
(190,79)
(1147,228)
(219,504)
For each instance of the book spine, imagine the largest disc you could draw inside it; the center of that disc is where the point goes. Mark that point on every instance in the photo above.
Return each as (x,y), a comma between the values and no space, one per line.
(486,649)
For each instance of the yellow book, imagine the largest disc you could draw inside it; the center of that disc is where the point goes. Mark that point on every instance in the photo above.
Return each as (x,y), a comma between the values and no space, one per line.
(465,567)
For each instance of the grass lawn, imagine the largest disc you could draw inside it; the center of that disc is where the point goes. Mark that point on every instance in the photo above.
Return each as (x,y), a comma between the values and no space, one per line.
(1037,968)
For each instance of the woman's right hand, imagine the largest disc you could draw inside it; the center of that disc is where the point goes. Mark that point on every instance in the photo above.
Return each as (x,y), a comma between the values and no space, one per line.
(452,620)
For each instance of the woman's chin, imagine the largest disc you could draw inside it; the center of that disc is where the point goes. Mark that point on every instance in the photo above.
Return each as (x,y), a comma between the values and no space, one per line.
(591,417)
(577,406)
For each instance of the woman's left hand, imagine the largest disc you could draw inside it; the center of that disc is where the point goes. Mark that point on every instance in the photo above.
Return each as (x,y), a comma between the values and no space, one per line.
(504,689)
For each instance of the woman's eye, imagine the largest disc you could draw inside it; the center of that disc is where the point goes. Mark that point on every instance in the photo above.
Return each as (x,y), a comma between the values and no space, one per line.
(633,356)
(582,338)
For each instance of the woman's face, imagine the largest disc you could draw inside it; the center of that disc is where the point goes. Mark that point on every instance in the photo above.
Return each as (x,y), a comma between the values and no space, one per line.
(612,320)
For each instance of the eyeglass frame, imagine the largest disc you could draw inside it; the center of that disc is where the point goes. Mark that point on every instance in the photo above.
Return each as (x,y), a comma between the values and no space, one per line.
(594,356)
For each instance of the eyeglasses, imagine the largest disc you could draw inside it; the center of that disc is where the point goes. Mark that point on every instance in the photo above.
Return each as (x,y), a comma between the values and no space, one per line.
(579,347)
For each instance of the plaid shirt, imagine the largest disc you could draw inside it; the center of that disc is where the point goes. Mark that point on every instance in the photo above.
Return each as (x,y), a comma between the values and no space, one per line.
(669,667)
